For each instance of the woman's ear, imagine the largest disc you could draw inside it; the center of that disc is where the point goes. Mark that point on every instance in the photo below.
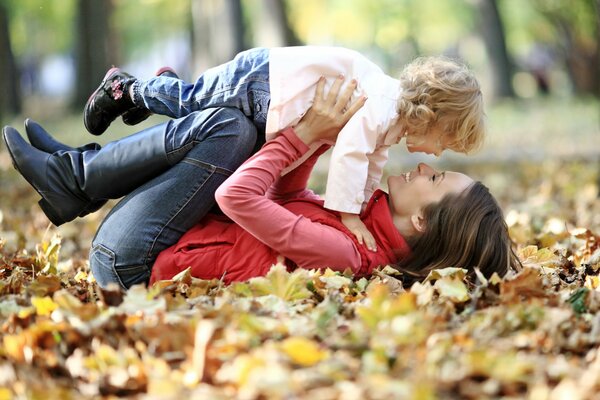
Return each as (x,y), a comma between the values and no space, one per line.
(418,222)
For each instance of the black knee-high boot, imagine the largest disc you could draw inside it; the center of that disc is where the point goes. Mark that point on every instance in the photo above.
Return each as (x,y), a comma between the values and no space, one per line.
(74,183)
(42,140)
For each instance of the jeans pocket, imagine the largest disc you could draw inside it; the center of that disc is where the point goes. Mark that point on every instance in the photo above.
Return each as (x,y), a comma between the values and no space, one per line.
(260,103)
(105,270)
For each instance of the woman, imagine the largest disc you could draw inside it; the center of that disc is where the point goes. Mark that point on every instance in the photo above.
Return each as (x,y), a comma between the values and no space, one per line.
(157,212)
(428,220)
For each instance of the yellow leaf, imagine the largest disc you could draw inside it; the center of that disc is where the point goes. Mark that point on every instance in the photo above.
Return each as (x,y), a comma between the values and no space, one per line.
(449,272)
(453,289)
(423,291)
(43,305)
(543,257)
(279,282)
(47,254)
(5,394)
(303,351)
(242,367)
(592,282)
(80,276)
(14,346)
(495,279)
(405,303)
(527,252)
(383,306)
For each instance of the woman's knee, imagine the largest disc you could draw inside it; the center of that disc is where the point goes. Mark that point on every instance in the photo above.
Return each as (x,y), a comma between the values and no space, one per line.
(228,124)
(116,258)
(225,137)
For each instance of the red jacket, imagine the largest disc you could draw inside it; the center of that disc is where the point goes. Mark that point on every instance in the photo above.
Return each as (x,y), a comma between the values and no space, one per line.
(302,232)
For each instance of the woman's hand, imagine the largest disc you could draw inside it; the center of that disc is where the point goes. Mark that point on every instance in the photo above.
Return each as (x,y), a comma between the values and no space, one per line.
(326,117)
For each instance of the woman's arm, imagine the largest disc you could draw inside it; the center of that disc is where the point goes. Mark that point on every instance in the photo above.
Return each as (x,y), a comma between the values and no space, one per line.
(243,196)
(294,183)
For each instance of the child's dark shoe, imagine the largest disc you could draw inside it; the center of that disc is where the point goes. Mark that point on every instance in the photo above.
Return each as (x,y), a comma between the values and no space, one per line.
(108,102)
(140,113)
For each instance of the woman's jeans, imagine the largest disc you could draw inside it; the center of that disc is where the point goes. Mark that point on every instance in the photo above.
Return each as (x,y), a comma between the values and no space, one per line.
(242,83)
(204,148)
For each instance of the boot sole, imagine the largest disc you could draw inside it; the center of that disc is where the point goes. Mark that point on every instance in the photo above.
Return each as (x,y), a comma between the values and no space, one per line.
(88,104)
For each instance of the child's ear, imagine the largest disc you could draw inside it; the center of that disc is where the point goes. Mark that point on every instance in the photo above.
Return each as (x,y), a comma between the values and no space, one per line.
(418,222)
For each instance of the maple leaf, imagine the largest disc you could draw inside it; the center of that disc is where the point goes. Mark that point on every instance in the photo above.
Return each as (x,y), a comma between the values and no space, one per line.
(279,282)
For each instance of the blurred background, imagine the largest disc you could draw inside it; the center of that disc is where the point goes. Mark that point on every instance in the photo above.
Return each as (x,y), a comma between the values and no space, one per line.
(538,62)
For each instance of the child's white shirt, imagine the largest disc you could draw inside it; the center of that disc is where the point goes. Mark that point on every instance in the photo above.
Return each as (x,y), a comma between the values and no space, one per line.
(361,148)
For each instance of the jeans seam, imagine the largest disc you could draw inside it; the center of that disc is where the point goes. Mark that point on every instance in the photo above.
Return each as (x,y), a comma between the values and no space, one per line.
(158,95)
(201,164)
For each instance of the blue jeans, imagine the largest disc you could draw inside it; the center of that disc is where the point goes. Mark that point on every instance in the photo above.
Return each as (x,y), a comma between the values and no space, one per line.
(204,148)
(242,83)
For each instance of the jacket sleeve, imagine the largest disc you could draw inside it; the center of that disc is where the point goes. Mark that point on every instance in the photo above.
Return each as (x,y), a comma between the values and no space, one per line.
(242,197)
(349,165)
(293,184)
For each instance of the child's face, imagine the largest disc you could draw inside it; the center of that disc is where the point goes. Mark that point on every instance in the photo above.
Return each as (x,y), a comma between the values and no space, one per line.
(430,143)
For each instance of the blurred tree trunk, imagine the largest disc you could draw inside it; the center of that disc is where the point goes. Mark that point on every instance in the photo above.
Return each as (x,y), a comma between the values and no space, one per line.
(579,44)
(218,32)
(273,29)
(10,96)
(95,49)
(495,43)
(598,53)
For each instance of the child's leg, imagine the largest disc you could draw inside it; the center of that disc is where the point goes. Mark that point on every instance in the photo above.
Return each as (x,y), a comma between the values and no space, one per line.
(242,83)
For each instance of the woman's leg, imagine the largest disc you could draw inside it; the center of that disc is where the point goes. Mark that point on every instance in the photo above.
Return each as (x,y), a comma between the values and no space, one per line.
(242,83)
(74,183)
(158,213)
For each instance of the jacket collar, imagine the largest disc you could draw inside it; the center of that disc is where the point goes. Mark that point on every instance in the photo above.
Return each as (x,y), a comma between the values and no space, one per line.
(378,219)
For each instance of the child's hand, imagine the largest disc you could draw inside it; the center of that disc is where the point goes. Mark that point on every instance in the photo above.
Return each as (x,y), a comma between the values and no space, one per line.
(328,113)
(356,226)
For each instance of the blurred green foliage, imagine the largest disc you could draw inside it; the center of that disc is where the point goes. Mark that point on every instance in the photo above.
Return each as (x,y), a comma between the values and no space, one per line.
(432,26)
(41,27)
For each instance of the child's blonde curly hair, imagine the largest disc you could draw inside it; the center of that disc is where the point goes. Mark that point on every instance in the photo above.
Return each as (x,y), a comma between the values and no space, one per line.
(443,92)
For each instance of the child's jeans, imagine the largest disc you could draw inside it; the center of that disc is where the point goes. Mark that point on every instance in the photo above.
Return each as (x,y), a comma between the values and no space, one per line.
(242,83)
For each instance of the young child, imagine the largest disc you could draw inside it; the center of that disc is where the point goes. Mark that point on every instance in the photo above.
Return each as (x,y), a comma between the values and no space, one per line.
(436,104)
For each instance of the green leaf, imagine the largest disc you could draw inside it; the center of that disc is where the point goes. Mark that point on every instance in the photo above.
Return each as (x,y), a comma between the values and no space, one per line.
(577,300)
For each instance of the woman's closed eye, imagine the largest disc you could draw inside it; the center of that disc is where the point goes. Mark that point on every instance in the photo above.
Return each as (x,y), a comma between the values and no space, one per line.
(437,177)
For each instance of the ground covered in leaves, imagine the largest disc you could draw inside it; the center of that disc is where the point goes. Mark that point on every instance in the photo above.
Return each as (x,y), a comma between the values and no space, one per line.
(313,334)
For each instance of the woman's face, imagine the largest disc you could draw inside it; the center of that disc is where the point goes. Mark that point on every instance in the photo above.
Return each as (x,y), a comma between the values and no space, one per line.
(412,191)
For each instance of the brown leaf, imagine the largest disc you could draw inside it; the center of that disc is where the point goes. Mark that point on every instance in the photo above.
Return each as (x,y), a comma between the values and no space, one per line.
(44,285)
(526,283)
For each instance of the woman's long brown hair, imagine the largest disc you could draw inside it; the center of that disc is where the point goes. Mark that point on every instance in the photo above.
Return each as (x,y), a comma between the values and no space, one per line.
(465,230)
